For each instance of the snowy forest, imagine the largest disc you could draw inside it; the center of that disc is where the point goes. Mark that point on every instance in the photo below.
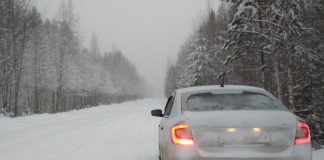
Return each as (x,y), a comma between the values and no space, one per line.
(45,69)
(274,44)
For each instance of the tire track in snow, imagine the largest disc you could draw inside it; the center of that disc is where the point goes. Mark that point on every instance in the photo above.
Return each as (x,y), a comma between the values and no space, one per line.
(82,133)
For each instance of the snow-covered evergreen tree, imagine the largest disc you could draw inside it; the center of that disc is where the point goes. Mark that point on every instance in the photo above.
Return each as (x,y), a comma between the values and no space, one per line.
(170,81)
(274,44)
(200,66)
(44,68)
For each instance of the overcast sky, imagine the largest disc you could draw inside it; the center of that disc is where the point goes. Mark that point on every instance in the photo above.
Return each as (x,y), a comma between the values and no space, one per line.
(147,31)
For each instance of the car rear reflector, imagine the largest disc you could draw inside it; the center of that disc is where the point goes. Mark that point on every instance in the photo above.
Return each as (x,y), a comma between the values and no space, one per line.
(181,135)
(303,133)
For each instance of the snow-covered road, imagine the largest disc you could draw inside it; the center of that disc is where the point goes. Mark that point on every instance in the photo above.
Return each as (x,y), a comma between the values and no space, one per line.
(116,132)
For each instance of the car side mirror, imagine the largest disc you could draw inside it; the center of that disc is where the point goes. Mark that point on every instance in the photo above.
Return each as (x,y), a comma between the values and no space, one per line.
(157,113)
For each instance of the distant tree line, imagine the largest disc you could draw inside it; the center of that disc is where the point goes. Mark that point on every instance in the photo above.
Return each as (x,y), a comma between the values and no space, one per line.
(45,69)
(274,44)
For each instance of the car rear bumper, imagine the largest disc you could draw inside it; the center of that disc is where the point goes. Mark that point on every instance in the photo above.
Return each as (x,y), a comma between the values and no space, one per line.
(237,159)
(300,152)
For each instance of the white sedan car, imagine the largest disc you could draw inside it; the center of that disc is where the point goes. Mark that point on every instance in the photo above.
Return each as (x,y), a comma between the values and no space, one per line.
(230,123)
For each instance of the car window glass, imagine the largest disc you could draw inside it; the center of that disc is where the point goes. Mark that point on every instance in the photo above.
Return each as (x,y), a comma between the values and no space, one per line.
(243,101)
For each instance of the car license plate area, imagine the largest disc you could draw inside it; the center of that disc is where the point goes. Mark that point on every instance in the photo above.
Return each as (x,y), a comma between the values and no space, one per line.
(237,137)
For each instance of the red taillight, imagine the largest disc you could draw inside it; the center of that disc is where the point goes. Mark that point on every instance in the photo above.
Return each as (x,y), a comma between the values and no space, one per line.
(181,135)
(302,134)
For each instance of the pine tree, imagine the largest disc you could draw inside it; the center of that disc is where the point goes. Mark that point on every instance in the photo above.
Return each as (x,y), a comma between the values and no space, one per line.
(67,36)
(170,81)
(94,46)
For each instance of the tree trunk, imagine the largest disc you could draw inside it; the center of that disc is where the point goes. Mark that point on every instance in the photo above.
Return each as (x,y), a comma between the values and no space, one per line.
(274,58)
(289,47)
(262,61)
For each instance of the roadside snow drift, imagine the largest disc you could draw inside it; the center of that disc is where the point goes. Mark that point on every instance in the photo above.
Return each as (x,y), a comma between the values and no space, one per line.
(117,132)
(318,155)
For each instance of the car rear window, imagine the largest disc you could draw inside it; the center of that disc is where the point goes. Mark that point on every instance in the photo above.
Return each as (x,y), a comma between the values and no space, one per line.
(230,101)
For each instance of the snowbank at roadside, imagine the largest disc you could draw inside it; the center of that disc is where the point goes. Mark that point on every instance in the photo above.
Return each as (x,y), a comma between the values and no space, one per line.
(318,155)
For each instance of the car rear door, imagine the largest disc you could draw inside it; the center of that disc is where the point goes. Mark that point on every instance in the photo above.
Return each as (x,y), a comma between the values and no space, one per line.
(163,129)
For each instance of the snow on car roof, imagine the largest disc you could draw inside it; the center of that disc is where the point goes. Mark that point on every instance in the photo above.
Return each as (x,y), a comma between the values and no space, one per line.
(216,87)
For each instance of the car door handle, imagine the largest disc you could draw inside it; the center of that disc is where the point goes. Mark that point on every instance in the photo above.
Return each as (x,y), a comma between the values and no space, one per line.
(161,128)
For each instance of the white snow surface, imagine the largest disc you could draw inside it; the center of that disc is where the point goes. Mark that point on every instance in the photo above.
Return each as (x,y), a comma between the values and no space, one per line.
(124,131)
(318,155)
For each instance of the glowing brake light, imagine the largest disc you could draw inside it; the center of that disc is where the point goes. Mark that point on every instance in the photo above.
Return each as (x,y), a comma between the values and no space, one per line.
(231,130)
(181,135)
(302,134)
(257,130)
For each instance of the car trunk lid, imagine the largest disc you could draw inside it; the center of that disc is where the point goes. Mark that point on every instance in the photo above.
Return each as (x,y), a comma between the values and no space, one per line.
(248,134)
